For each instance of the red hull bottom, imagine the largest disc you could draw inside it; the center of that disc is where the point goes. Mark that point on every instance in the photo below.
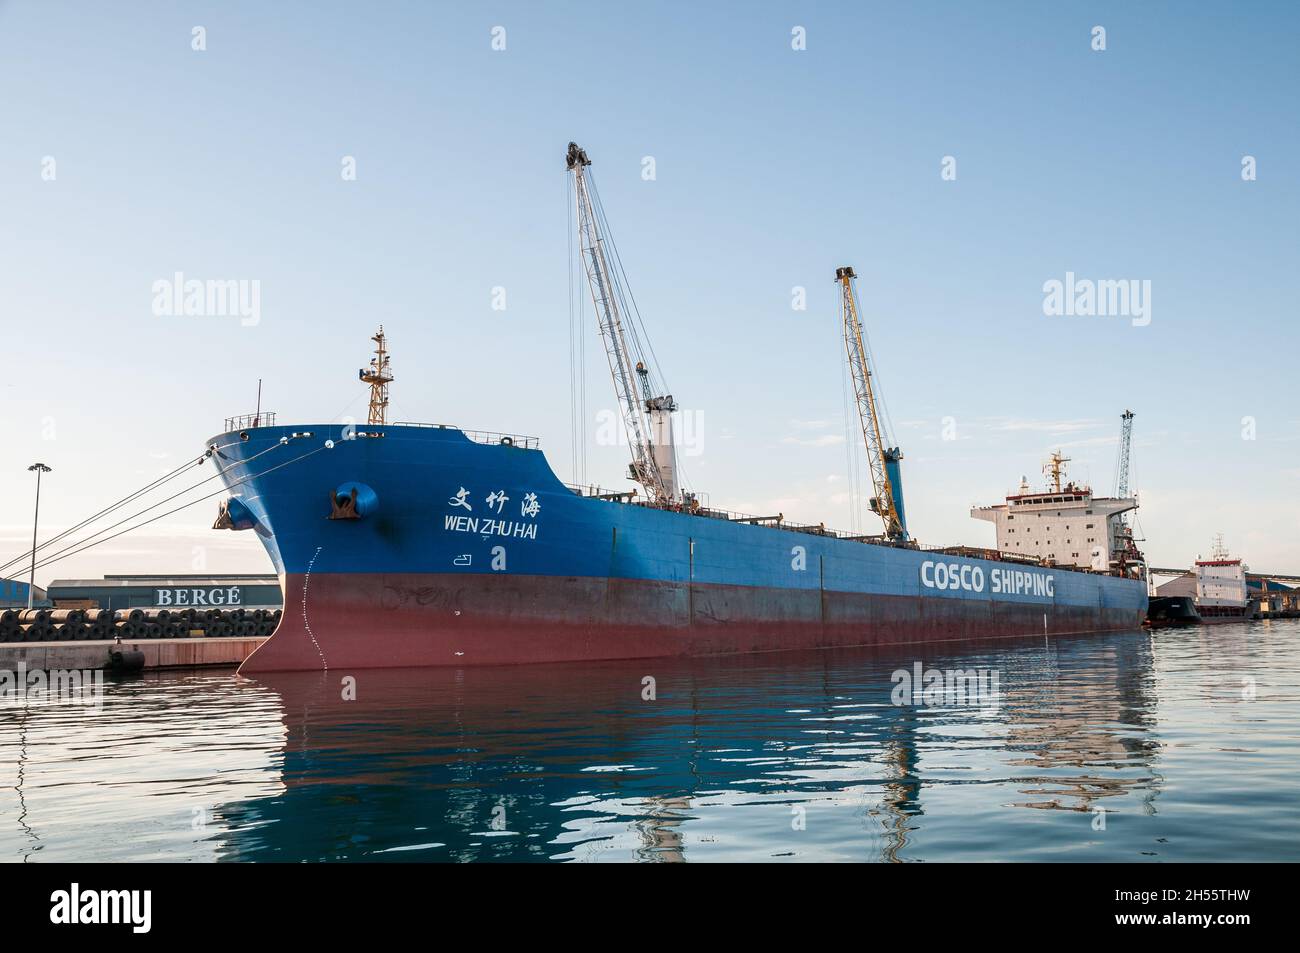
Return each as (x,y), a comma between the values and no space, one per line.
(356,621)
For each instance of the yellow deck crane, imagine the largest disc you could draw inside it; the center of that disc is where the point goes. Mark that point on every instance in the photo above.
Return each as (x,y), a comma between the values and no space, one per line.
(882,460)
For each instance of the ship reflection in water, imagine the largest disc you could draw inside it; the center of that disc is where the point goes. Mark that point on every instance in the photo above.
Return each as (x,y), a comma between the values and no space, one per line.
(1177,746)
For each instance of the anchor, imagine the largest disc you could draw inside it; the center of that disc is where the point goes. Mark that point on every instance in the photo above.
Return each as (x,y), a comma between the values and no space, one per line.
(347,509)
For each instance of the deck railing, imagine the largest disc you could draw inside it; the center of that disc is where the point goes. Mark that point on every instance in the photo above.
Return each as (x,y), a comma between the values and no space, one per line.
(481,436)
(778,521)
(248,421)
(631,498)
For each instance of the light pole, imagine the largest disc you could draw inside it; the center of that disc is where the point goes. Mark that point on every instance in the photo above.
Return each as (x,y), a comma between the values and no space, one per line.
(31,581)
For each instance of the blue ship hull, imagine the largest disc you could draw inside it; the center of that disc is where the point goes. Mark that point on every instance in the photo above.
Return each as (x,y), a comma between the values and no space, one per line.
(413,545)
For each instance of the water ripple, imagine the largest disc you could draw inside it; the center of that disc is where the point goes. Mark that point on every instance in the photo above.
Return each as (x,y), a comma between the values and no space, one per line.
(1176,746)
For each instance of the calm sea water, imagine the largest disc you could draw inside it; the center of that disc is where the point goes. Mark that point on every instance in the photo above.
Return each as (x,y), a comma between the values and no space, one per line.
(1178,745)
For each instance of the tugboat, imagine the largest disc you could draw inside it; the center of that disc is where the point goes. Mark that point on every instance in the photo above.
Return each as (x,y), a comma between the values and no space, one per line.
(1170,611)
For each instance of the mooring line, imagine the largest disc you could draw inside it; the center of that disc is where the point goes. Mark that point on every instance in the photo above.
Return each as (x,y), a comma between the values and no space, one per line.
(152,485)
(82,545)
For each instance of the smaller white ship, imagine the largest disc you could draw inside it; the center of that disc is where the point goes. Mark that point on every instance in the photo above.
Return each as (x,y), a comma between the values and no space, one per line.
(1221,593)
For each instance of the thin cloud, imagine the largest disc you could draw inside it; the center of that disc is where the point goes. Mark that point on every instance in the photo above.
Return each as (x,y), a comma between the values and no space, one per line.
(824,440)
(1045,426)
(1090,442)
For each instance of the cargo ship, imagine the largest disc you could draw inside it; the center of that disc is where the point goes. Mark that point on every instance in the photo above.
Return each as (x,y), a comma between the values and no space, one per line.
(1216,589)
(408,544)
(1221,591)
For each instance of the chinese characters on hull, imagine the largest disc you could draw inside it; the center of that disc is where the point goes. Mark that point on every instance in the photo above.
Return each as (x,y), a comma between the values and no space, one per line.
(496,502)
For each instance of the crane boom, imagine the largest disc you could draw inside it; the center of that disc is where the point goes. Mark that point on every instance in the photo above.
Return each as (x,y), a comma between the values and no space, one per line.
(1125,442)
(1126,558)
(881,459)
(1121,463)
(652,459)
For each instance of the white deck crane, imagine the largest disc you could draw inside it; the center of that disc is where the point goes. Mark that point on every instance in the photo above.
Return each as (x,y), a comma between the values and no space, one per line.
(1121,463)
(1126,557)
(646,417)
(883,461)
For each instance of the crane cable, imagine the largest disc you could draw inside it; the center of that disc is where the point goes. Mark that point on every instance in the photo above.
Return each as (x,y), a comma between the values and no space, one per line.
(887,437)
(577,352)
(573,382)
(642,347)
(645,352)
(851,445)
(56,557)
(211,450)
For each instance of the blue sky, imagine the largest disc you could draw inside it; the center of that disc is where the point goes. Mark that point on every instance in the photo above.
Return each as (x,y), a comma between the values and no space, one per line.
(773,166)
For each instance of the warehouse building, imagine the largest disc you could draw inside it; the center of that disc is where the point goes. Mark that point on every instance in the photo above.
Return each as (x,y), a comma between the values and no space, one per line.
(1274,599)
(201,591)
(13,594)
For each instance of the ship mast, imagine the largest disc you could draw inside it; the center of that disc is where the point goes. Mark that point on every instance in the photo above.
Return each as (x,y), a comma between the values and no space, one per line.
(1220,551)
(646,417)
(378,377)
(1055,466)
(881,460)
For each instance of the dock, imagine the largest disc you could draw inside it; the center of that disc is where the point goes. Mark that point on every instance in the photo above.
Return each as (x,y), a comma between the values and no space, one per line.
(158,653)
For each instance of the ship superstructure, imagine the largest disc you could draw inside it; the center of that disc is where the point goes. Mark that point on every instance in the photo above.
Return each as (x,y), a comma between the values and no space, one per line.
(1063,524)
